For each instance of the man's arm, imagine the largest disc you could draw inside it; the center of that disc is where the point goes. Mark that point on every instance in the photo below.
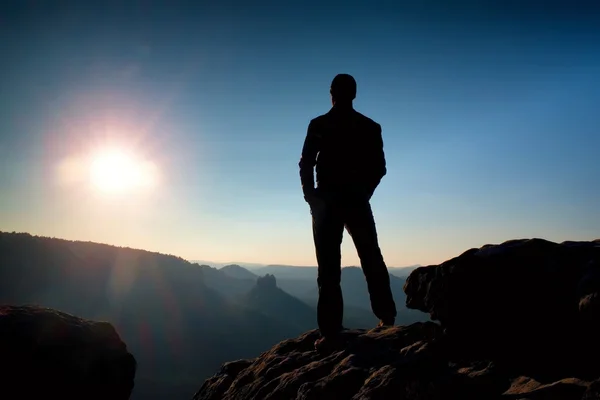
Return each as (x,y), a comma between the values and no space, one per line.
(308,160)
(378,162)
(380,165)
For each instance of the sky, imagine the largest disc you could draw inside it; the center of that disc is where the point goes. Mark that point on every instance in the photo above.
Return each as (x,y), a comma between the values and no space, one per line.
(489,113)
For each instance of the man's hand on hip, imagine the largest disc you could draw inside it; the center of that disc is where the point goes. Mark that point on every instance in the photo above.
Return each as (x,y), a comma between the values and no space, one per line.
(315,202)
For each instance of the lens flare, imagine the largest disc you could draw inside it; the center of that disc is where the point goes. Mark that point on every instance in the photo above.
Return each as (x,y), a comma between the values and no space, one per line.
(116,171)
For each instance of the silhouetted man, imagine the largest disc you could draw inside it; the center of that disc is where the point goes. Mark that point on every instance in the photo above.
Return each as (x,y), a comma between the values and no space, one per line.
(346,148)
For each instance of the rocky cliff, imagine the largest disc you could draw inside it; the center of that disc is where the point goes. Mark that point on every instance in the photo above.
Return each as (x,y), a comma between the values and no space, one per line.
(47,354)
(518,320)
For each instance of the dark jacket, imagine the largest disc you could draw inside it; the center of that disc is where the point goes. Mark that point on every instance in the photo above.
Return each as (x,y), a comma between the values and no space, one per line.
(347,149)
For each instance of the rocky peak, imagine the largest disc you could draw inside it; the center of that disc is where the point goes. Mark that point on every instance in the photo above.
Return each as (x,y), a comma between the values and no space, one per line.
(266,282)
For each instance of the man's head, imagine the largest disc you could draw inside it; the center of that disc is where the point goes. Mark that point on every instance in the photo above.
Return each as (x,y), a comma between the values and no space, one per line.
(343,89)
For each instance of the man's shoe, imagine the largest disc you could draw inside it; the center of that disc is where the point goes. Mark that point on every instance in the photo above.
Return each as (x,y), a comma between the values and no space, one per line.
(386,322)
(328,344)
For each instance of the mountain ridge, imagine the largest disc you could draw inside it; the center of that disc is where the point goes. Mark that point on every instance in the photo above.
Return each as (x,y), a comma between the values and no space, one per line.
(160,305)
(166,308)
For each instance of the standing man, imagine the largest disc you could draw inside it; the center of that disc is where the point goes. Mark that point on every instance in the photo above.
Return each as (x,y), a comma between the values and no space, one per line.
(346,148)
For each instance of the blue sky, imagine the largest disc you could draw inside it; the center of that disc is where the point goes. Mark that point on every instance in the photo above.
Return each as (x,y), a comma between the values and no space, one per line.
(489,117)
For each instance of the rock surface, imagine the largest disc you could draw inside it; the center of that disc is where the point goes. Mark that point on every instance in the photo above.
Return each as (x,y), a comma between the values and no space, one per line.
(49,354)
(517,320)
(521,300)
(410,363)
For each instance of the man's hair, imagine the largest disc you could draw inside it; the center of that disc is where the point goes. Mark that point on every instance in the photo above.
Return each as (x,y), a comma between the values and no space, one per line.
(343,87)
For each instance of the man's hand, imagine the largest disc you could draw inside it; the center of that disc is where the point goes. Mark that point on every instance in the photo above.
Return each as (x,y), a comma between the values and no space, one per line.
(316,203)
(370,193)
(371,189)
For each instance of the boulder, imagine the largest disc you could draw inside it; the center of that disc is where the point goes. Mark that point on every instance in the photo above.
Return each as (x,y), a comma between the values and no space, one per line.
(46,353)
(529,301)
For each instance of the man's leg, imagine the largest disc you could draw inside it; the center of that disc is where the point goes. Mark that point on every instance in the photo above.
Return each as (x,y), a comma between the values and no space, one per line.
(328,230)
(361,226)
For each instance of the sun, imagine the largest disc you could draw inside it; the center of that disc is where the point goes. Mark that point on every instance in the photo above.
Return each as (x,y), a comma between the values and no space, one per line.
(117,171)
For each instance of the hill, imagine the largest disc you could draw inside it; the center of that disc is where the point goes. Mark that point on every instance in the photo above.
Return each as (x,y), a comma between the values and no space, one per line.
(279,305)
(225,284)
(518,320)
(235,271)
(177,327)
(402,272)
(289,272)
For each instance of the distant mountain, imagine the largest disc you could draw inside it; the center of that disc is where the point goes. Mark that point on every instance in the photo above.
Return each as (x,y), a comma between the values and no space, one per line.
(289,272)
(402,272)
(224,283)
(310,272)
(297,287)
(250,266)
(278,305)
(176,325)
(236,271)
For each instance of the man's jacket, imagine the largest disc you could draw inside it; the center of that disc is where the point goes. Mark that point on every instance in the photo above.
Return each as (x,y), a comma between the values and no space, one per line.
(346,148)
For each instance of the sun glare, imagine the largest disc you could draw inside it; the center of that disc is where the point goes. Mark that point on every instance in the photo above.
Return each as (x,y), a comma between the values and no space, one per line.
(116,171)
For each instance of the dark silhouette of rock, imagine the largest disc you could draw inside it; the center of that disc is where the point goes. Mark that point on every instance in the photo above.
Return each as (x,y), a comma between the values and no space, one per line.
(517,300)
(50,354)
(267,281)
(411,362)
(588,292)
(517,321)
(278,305)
